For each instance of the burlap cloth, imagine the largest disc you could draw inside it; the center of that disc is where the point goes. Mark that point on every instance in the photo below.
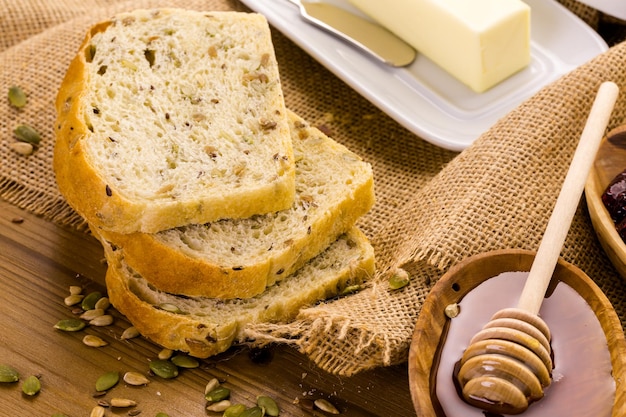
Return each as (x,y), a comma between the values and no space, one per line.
(434,207)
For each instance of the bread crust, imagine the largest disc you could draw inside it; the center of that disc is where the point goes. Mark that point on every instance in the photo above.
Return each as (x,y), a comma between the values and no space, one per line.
(106,207)
(177,272)
(203,337)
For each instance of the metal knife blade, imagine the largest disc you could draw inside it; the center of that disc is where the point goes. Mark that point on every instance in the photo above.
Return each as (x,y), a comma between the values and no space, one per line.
(363,33)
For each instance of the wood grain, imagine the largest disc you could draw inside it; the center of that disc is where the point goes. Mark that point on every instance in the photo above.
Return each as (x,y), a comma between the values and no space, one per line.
(38,263)
(610,161)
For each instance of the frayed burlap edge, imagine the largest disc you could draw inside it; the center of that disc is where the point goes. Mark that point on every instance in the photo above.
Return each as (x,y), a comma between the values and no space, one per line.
(542,135)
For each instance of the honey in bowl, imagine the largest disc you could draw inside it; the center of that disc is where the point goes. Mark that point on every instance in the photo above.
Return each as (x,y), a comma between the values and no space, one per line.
(599,327)
(582,364)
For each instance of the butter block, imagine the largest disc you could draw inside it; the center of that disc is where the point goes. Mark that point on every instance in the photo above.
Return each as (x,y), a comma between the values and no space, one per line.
(479,42)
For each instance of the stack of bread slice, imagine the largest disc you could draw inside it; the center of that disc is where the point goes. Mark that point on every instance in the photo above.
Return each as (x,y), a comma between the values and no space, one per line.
(216,206)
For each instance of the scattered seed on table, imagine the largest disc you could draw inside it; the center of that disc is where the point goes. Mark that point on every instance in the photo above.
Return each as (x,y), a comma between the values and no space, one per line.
(8,374)
(97,411)
(252,412)
(185,361)
(326,406)
(234,410)
(122,402)
(103,303)
(211,385)
(135,378)
(100,321)
(219,406)
(70,325)
(75,290)
(165,354)
(107,381)
(73,299)
(31,386)
(268,404)
(164,369)
(90,300)
(217,394)
(92,314)
(130,333)
(94,341)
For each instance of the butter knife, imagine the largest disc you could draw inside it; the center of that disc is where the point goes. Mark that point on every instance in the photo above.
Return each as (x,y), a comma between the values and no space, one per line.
(362,33)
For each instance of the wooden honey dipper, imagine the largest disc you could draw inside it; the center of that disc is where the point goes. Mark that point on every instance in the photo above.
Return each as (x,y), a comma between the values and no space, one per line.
(509,362)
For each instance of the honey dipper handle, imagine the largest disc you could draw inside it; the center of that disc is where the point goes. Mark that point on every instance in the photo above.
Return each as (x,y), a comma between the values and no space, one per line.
(565,207)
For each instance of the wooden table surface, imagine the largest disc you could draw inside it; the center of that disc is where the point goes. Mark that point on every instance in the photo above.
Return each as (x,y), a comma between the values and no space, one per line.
(39,261)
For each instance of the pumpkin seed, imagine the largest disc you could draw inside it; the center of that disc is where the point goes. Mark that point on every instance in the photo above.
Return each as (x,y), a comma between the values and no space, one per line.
(31,386)
(122,403)
(107,381)
(234,410)
(185,361)
(28,134)
(164,369)
(268,404)
(252,412)
(94,341)
(8,374)
(17,97)
(89,302)
(130,333)
(70,325)
(23,148)
(104,320)
(135,378)
(399,279)
(162,415)
(219,406)
(97,411)
(326,406)
(217,394)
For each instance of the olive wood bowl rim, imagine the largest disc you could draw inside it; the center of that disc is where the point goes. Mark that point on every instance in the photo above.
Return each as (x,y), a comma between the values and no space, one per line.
(432,320)
(602,223)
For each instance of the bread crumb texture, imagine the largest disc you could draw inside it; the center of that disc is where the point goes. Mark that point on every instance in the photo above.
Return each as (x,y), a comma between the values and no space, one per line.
(181,102)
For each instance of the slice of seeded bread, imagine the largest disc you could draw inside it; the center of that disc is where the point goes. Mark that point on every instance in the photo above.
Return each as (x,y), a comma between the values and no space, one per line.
(207,326)
(240,258)
(168,117)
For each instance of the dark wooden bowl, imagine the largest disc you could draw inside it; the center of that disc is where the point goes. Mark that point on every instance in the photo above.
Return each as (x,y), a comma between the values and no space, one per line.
(467,275)
(611,161)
